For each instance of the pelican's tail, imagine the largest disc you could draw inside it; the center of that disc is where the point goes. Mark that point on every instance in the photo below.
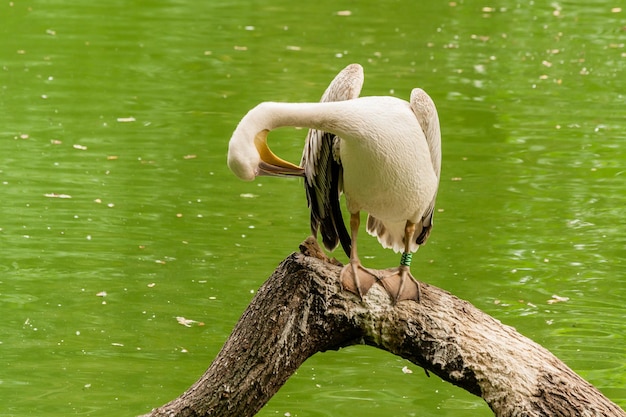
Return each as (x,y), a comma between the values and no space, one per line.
(391,235)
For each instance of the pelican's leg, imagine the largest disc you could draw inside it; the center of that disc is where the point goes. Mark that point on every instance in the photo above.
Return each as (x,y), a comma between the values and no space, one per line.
(400,284)
(354,277)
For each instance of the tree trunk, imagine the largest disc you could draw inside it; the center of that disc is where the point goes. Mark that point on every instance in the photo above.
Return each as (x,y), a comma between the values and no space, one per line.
(302,310)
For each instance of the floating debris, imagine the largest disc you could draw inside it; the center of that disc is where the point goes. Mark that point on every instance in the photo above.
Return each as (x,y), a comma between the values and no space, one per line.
(557,299)
(79,147)
(188,322)
(126,119)
(101,294)
(406,370)
(55,195)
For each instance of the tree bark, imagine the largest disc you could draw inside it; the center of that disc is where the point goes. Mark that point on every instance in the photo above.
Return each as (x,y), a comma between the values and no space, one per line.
(302,310)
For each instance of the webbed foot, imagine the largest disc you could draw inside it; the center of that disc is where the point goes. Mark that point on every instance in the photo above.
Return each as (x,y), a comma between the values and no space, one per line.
(401,285)
(358,279)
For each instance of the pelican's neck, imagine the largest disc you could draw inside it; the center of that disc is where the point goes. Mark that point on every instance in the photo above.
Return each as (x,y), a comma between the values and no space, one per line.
(329,117)
(248,145)
(346,119)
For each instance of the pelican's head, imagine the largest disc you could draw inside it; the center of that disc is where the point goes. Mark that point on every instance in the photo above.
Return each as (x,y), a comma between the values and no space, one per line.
(249,156)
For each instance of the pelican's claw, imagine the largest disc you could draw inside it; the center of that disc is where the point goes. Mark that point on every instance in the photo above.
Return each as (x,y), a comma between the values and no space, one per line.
(401,285)
(358,279)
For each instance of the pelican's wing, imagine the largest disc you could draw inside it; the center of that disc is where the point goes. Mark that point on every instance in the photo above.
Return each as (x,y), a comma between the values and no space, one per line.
(322,168)
(426,114)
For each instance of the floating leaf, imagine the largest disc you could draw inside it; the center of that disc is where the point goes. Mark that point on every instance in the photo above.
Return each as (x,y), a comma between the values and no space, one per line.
(55,195)
(188,322)
(557,299)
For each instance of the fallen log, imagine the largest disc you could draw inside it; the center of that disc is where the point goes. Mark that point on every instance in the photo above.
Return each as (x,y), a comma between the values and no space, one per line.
(301,310)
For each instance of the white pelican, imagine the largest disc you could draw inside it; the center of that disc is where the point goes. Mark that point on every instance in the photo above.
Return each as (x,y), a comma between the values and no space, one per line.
(383,153)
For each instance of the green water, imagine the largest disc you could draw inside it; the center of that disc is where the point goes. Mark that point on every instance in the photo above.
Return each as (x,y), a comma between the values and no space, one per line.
(127,108)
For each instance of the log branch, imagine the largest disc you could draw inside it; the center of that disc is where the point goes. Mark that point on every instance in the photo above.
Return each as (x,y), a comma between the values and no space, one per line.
(301,310)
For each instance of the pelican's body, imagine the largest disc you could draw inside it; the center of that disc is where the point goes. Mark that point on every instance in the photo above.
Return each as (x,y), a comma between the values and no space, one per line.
(383,153)
(390,175)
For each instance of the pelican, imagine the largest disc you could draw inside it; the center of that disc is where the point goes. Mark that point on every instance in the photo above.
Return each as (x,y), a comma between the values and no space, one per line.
(383,153)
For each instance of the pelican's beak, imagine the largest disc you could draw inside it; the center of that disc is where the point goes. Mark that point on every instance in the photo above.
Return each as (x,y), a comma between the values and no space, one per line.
(270,163)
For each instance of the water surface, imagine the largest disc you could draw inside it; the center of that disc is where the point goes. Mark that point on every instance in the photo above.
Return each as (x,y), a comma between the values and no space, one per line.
(119,214)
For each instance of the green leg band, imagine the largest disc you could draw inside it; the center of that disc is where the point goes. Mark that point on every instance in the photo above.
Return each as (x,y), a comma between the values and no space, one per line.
(406,258)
